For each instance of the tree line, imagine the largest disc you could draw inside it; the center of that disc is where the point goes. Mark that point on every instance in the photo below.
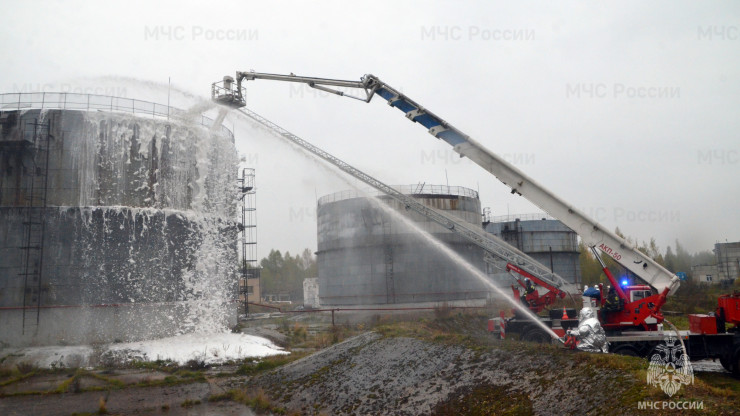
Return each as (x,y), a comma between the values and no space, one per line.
(284,274)
(675,259)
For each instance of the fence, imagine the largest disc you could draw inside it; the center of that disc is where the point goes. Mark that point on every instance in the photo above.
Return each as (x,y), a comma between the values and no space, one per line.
(420,189)
(92,102)
(514,217)
(442,308)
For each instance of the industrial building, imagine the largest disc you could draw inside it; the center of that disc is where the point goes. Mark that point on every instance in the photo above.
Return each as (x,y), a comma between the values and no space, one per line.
(368,255)
(725,269)
(543,238)
(311,292)
(117,220)
(705,273)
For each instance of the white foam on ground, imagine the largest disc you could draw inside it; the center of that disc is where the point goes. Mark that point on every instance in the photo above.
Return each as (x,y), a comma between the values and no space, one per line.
(216,348)
(209,348)
(72,356)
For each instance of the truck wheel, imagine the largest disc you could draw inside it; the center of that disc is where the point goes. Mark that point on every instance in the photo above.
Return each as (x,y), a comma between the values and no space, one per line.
(536,335)
(726,363)
(736,364)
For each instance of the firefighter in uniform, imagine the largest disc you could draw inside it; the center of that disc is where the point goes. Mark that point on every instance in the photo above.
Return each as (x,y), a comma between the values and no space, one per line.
(589,333)
(528,288)
(612,301)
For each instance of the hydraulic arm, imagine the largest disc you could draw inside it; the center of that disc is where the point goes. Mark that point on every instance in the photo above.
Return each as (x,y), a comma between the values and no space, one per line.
(592,233)
(498,253)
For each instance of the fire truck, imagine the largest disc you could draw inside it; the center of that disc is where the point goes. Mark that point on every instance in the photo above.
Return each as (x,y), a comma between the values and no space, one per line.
(634,327)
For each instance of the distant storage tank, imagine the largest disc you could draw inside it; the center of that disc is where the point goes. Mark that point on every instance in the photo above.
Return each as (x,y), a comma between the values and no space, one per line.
(116,220)
(368,256)
(545,239)
(728,260)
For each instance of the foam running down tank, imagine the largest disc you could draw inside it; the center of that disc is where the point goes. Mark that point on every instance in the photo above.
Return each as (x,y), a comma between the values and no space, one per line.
(117,220)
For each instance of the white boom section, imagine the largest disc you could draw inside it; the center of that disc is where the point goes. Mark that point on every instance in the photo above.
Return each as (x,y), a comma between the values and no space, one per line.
(494,247)
(591,232)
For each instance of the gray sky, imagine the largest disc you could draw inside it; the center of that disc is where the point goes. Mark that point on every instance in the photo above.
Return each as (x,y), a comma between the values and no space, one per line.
(629,110)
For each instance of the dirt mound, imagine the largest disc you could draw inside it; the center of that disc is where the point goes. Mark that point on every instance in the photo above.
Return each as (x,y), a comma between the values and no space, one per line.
(372,374)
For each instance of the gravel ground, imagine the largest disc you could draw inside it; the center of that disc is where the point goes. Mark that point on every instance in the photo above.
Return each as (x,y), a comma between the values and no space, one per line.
(152,400)
(369,374)
(133,401)
(364,375)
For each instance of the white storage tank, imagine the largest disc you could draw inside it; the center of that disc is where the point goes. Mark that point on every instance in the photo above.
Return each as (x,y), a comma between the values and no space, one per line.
(367,256)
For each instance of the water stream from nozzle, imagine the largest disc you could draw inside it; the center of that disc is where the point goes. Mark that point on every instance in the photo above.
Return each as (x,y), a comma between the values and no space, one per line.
(427,237)
(460,261)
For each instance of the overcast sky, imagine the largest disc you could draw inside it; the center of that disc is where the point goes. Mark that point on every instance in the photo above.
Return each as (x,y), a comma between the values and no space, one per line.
(628,110)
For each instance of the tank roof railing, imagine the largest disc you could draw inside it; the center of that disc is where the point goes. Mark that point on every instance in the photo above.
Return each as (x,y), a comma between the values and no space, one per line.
(521,217)
(94,102)
(420,189)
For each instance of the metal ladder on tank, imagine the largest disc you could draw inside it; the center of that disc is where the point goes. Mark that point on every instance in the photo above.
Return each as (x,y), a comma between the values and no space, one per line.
(32,250)
(249,267)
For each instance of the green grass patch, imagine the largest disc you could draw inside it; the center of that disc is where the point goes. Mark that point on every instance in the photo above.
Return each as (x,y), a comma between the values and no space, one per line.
(252,367)
(16,378)
(174,380)
(110,380)
(257,400)
(722,381)
(167,366)
(486,400)
(72,382)
(190,403)
(220,397)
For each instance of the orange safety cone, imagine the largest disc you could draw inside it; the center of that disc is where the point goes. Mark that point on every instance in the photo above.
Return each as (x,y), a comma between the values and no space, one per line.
(565,314)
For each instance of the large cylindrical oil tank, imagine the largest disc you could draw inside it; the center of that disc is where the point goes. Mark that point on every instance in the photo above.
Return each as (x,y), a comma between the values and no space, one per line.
(367,254)
(543,238)
(116,220)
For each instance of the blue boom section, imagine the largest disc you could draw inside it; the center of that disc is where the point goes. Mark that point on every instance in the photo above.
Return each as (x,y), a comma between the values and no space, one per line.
(451,136)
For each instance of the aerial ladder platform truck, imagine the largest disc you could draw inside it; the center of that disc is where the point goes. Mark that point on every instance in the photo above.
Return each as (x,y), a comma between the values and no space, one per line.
(636,328)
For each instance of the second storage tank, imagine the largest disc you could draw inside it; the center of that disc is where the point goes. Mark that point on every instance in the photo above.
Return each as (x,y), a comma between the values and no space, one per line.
(543,238)
(367,255)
